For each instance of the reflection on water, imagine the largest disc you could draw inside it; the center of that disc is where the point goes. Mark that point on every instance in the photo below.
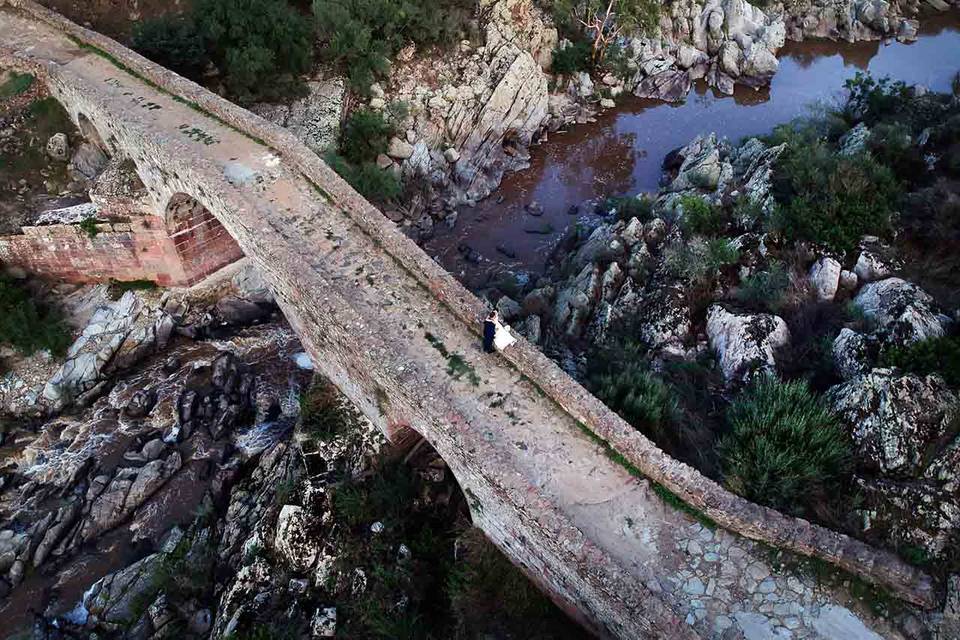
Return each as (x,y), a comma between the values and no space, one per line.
(622,152)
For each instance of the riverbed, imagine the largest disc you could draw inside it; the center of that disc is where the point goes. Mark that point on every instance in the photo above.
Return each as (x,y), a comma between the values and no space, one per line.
(622,152)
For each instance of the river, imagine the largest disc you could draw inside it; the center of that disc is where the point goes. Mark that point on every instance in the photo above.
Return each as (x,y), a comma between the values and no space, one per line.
(622,152)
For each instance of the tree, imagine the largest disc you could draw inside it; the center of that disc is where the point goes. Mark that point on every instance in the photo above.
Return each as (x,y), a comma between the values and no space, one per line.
(262,47)
(607,20)
(173,42)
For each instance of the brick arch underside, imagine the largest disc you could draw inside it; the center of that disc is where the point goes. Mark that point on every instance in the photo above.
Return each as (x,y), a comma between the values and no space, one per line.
(202,243)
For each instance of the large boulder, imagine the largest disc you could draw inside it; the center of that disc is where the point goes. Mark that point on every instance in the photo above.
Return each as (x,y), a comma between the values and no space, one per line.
(894,417)
(745,343)
(825,278)
(315,118)
(903,312)
(853,353)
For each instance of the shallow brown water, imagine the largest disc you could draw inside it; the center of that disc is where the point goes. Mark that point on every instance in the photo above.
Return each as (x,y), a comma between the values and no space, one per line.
(623,151)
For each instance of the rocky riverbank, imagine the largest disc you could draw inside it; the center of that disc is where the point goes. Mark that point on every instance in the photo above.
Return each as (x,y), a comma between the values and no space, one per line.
(672,308)
(472,114)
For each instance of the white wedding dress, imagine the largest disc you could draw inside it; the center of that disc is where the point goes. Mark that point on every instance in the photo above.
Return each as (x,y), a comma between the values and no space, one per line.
(502,338)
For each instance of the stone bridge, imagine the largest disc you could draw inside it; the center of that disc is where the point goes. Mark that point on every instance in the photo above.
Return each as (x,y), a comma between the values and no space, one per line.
(591,510)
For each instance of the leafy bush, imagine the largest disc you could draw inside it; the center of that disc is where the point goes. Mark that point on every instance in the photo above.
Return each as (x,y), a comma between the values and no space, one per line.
(872,100)
(626,17)
(637,396)
(362,35)
(372,182)
(572,59)
(826,198)
(699,260)
(174,42)
(17,84)
(784,448)
(27,325)
(260,46)
(324,413)
(765,289)
(935,355)
(365,135)
(629,207)
(699,216)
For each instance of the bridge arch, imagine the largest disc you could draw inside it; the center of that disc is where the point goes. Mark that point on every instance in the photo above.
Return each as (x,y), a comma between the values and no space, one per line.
(203,245)
(91,133)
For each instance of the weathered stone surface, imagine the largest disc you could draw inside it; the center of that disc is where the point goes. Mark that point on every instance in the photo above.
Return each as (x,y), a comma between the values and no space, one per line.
(903,312)
(825,278)
(746,344)
(853,353)
(893,417)
(58,147)
(359,329)
(315,118)
(293,540)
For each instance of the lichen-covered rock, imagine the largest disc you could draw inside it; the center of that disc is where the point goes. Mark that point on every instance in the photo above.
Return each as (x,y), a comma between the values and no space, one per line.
(745,343)
(910,513)
(871,266)
(293,540)
(902,312)
(853,353)
(893,417)
(825,278)
(315,118)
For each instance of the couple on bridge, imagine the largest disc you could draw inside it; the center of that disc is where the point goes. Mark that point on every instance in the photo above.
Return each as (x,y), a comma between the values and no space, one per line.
(496,336)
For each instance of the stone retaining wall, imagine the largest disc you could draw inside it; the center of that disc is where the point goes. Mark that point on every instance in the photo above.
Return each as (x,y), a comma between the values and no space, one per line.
(139,250)
(728,510)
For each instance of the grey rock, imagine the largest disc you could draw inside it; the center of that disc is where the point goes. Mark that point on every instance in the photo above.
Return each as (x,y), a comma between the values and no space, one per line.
(902,311)
(745,343)
(893,417)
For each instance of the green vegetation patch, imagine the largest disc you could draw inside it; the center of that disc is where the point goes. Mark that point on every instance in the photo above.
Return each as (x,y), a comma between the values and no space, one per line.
(27,324)
(457,366)
(324,413)
(260,48)
(362,36)
(17,84)
(785,448)
(765,290)
(120,287)
(935,355)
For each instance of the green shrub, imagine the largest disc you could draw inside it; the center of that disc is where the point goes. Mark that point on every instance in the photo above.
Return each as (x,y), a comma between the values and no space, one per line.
(174,42)
(629,207)
(572,59)
(324,413)
(699,260)
(17,84)
(784,448)
(830,199)
(362,35)
(89,227)
(261,47)
(372,182)
(638,396)
(872,100)
(27,325)
(935,355)
(365,135)
(765,289)
(699,216)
